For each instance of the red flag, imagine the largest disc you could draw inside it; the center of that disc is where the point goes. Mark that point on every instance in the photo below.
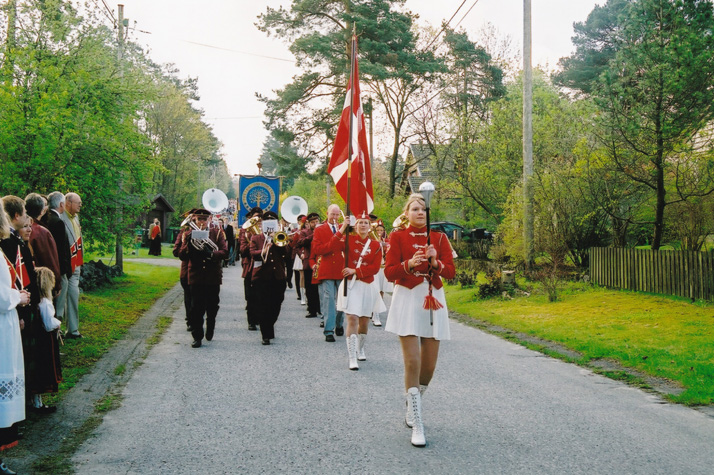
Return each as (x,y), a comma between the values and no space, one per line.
(13,272)
(361,196)
(23,277)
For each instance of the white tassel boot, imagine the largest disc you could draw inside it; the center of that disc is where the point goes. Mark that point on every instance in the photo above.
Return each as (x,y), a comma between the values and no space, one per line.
(375,320)
(414,404)
(352,351)
(409,419)
(361,338)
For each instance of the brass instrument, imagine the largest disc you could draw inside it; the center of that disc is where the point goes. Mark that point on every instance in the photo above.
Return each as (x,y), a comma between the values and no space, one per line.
(201,243)
(317,267)
(251,225)
(401,222)
(280,238)
(373,232)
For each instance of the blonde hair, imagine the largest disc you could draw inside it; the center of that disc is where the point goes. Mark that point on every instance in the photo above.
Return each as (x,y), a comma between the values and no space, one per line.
(4,225)
(412,198)
(45,281)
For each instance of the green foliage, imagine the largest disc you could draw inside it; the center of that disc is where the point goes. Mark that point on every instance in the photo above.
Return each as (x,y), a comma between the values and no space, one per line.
(648,65)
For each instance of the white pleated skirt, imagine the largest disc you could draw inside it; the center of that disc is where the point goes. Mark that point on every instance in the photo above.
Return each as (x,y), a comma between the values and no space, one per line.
(297,263)
(383,283)
(407,315)
(362,299)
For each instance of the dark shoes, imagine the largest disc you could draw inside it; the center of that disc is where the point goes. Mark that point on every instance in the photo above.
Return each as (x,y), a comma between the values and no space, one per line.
(252,328)
(310,315)
(196,344)
(42,409)
(188,328)
(209,334)
(339,331)
(330,338)
(72,336)
(290,285)
(265,341)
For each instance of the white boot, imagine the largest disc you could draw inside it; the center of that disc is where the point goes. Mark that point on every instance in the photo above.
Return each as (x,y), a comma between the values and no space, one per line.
(352,351)
(409,419)
(360,346)
(414,404)
(303,299)
(375,320)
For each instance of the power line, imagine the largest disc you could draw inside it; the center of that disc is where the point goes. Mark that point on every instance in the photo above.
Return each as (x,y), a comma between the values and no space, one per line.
(465,14)
(109,15)
(445,25)
(205,45)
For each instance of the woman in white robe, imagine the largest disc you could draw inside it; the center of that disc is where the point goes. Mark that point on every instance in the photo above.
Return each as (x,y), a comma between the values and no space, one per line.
(12,367)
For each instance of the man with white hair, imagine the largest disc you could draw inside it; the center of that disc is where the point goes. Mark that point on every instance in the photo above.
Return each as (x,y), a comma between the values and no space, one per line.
(55,225)
(70,292)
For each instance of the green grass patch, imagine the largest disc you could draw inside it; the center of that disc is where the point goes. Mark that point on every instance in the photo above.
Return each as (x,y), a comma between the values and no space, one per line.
(106,314)
(661,336)
(132,253)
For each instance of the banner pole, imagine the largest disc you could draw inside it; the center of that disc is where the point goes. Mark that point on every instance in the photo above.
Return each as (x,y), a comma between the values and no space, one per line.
(353,56)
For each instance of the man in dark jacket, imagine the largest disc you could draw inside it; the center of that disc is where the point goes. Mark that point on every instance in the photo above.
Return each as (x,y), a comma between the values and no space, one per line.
(56,226)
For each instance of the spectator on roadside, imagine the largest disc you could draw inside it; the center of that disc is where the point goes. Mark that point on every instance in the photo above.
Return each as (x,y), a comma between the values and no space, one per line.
(56,227)
(42,244)
(69,296)
(155,237)
(12,367)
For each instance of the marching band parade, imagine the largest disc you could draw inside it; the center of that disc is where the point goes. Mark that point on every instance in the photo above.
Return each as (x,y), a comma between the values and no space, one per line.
(343,266)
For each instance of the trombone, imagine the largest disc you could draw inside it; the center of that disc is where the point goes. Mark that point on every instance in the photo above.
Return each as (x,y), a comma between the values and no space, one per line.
(198,243)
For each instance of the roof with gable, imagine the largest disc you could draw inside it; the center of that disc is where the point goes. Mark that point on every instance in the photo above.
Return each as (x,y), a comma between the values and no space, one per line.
(426,162)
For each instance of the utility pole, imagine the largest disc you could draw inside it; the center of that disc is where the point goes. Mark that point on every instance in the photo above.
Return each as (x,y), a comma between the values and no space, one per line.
(120,211)
(527,136)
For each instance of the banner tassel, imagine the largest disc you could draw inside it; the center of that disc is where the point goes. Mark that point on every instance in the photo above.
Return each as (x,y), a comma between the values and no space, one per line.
(431,303)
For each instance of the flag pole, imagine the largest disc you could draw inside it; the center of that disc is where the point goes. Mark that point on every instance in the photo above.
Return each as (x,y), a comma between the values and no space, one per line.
(353,56)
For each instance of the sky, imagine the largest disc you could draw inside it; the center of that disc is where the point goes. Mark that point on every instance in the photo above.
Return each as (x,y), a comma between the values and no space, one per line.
(219,44)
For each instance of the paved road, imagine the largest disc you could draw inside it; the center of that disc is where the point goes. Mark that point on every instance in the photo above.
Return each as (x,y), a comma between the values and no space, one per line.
(235,406)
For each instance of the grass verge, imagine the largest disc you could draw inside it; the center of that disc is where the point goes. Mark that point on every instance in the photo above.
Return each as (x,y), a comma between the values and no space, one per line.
(664,337)
(106,314)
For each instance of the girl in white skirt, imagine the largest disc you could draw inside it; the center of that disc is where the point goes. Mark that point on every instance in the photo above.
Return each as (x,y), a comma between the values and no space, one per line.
(415,266)
(381,282)
(362,299)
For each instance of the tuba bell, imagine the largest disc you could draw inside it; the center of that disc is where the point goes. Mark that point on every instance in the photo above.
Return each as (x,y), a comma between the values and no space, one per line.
(214,200)
(292,207)
(401,222)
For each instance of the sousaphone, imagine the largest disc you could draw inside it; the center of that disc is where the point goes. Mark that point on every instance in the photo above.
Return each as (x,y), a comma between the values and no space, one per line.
(292,207)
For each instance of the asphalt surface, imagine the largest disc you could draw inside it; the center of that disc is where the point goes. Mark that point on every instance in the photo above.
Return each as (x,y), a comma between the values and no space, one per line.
(235,406)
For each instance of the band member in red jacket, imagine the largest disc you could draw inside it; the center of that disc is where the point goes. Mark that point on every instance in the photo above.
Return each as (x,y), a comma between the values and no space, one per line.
(362,299)
(329,272)
(268,278)
(416,267)
(205,275)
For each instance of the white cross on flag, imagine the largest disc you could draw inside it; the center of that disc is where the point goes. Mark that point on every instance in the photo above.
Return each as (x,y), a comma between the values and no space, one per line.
(361,196)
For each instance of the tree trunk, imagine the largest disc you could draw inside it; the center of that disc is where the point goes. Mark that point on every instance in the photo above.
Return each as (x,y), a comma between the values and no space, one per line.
(393,165)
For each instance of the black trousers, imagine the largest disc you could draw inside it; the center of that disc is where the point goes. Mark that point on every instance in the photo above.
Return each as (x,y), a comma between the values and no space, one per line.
(186,297)
(204,300)
(297,283)
(313,294)
(250,308)
(269,294)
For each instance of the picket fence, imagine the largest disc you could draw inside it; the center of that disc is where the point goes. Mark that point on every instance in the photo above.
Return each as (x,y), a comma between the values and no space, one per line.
(687,274)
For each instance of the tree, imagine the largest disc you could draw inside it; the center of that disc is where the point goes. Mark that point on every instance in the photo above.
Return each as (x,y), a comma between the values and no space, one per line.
(649,65)
(319,32)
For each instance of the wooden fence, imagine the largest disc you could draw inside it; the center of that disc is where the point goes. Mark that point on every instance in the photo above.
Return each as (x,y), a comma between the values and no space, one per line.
(683,273)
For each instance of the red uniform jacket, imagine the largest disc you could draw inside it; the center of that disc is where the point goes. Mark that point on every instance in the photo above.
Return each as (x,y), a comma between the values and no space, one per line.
(177,248)
(327,246)
(403,245)
(202,269)
(371,260)
(273,266)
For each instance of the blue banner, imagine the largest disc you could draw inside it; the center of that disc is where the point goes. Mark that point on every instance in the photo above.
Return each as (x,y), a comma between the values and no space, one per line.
(257,190)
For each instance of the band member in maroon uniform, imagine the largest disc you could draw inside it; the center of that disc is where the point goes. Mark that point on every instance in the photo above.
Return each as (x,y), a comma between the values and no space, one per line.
(244,237)
(268,278)
(362,299)
(304,243)
(183,276)
(416,267)
(205,275)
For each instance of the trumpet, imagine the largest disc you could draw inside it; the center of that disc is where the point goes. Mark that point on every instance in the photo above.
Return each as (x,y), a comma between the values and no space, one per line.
(280,238)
